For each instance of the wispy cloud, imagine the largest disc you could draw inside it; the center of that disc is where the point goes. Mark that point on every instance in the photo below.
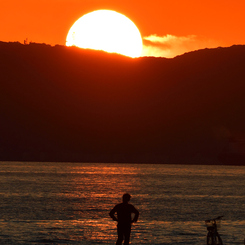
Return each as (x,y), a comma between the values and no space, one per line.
(170,46)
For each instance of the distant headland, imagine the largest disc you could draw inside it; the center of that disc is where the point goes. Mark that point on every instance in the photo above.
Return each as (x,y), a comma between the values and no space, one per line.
(68,104)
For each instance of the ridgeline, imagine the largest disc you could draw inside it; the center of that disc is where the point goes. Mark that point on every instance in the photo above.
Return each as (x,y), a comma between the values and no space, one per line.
(69,104)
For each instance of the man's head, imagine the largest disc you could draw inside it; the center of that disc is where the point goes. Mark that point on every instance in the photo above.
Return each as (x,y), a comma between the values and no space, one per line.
(126,198)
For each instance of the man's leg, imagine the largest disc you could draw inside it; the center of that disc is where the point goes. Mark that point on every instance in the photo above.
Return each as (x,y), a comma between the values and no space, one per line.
(127,231)
(120,235)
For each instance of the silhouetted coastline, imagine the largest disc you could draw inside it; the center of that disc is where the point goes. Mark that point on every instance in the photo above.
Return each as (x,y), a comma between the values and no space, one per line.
(67,104)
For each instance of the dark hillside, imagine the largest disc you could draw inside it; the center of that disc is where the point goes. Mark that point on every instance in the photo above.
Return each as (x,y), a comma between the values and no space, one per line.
(68,104)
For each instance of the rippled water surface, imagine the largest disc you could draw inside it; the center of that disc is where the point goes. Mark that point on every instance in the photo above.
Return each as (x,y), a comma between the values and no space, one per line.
(68,203)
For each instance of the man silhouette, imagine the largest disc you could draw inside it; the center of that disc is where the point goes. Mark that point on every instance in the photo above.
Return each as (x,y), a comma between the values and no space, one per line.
(124,219)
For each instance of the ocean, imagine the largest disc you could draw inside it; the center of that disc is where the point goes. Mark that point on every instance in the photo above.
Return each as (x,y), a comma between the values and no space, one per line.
(68,203)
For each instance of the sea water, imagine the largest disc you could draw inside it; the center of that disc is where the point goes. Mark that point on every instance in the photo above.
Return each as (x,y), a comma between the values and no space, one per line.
(68,203)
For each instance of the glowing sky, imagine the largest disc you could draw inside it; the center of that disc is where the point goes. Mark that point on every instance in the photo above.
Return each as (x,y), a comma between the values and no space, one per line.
(168,27)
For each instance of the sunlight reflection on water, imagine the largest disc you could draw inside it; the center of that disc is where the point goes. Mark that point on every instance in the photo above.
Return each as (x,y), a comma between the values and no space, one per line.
(68,203)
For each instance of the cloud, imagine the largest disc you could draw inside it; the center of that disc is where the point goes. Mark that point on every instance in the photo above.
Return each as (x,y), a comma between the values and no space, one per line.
(170,46)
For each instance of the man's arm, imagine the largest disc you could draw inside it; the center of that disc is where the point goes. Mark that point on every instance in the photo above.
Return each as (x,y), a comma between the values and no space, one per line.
(136,215)
(112,214)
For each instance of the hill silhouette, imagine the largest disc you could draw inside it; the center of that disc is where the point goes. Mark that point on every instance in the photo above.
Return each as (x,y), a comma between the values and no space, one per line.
(68,104)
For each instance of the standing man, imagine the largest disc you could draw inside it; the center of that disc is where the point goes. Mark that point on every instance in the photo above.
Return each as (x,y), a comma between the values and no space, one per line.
(124,219)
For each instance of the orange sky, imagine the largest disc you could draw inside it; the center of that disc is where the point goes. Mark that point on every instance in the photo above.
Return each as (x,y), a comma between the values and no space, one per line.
(169,27)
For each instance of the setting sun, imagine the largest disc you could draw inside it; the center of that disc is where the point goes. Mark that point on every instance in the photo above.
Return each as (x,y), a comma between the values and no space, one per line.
(106,30)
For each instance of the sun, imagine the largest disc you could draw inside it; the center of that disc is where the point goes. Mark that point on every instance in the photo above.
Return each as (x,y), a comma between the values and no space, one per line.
(106,30)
